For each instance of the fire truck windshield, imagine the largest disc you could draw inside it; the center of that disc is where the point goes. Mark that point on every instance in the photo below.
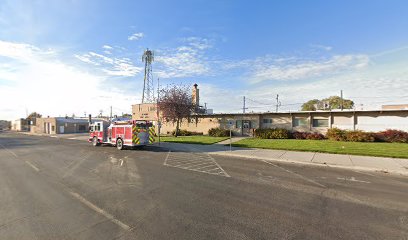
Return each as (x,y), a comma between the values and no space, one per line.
(144,125)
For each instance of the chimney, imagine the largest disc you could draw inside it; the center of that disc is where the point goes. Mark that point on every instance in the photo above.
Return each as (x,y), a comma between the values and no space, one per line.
(196,96)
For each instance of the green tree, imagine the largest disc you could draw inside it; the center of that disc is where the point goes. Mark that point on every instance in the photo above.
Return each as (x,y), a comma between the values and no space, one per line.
(34,115)
(333,102)
(127,115)
(310,105)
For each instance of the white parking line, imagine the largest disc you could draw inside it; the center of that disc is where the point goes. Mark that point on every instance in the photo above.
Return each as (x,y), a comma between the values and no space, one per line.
(100,211)
(199,162)
(32,165)
(301,176)
(352,179)
(218,165)
(9,151)
(190,164)
(167,157)
(196,165)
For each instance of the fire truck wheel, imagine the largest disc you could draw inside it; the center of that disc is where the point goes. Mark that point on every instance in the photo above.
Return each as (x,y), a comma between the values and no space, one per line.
(95,142)
(119,144)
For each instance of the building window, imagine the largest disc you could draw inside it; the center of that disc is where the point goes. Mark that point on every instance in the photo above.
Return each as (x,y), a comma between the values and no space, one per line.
(81,128)
(267,120)
(246,124)
(53,128)
(300,121)
(238,124)
(320,122)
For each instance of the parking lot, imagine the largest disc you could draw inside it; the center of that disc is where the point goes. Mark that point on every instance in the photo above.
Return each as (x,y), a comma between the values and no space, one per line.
(64,188)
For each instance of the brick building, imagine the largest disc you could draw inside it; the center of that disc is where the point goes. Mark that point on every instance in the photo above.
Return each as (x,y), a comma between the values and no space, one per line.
(59,125)
(313,121)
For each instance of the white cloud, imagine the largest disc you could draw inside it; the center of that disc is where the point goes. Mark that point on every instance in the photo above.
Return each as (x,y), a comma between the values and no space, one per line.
(198,42)
(136,36)
(86,58)
(284,69)
(107,49)
(42,81)
(187,60)
(112,66)
(321,47)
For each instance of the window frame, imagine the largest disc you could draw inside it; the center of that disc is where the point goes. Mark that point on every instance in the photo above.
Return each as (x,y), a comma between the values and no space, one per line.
(296,120)
(316,120)
(270,121)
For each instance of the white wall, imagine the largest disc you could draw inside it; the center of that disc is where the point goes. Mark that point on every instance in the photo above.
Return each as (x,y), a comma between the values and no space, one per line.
(380,123)
(343,122)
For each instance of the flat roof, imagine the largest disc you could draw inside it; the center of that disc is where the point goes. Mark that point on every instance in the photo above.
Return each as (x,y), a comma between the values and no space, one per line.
(311,112)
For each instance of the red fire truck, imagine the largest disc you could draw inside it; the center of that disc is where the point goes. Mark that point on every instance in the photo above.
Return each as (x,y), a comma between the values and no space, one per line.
(131,133)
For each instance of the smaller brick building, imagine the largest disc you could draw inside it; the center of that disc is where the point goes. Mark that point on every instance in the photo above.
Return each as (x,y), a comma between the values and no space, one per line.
(60,125)
(20,125)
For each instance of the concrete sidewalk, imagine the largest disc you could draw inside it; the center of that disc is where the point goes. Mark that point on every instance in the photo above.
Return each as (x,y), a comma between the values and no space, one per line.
(364,163)
(232,140)
(72,136)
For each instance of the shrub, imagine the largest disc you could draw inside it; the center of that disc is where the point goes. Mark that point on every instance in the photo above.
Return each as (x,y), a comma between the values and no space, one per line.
(185,133)
(308,135)
(392,135)
(218,132)
(359,136)
(314,136)
(299,135)
(272,133)
(336,134)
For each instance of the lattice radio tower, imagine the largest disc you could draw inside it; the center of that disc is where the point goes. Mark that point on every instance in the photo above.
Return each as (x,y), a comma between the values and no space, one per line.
(148,88)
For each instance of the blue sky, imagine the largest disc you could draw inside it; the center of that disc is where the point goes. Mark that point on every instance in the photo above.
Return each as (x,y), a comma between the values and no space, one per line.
(72,57)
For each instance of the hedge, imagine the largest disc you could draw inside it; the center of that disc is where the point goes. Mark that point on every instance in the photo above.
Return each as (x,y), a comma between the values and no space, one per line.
(218,132)
(182,132)
(336,134)
(272,133)
(392,135)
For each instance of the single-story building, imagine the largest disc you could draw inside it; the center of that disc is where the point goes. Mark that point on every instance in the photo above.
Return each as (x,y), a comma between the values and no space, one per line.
(20,125)
(59,125)
(307,121)
(5,125)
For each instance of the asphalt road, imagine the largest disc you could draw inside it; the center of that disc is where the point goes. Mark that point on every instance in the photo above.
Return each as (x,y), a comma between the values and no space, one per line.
(66,189)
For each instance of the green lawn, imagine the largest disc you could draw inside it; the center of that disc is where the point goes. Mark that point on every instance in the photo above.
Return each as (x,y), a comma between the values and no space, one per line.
(193,139)
(396,150)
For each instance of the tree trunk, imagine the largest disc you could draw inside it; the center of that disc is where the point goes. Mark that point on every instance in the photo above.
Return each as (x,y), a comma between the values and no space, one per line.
(177,128)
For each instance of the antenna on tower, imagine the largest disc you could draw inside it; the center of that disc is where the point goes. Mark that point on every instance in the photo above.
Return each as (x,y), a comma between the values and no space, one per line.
(148,88)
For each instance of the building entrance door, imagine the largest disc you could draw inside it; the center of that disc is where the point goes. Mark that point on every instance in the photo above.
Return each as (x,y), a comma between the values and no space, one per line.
(246,127)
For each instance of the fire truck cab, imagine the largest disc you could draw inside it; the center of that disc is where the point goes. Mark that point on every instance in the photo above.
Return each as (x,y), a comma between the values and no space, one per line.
(131,133)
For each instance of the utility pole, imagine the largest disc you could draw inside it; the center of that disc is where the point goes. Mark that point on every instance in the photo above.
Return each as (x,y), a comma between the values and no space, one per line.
(111,113)
(157,109)
(243,108)
(242,121)
(278,104)
(341,96)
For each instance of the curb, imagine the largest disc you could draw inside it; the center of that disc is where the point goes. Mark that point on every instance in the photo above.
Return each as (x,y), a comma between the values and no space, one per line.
(366,169)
